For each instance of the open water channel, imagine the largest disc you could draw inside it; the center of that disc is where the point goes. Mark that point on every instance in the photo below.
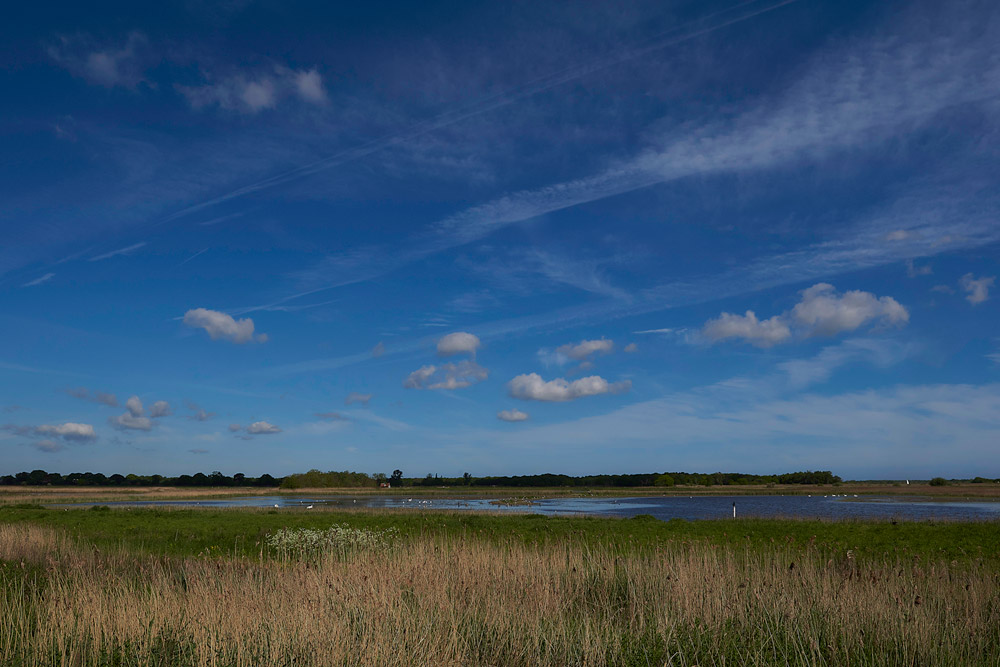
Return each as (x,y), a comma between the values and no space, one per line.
(665,508)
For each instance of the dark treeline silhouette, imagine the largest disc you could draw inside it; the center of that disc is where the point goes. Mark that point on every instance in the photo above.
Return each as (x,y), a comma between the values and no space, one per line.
(345,479)
(42,478)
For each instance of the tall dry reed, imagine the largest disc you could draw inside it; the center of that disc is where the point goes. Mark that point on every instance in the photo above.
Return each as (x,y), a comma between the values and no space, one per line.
(464,601)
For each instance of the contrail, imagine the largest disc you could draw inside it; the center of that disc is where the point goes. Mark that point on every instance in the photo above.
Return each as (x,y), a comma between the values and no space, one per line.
(492,102)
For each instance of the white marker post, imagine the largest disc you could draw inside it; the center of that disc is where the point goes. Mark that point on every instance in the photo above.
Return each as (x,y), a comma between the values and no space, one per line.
(734,510)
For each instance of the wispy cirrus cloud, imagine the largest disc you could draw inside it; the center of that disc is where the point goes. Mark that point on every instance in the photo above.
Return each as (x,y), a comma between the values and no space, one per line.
(38,281)
(127,250)
(851,96)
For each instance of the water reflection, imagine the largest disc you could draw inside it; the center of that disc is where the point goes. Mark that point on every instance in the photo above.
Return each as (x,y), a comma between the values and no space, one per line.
(673,507)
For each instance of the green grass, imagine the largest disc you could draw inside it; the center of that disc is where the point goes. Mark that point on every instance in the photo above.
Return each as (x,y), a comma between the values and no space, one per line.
(184,532)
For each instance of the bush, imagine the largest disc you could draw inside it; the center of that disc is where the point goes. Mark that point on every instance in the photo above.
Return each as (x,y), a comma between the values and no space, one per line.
(338,539)
(939,481)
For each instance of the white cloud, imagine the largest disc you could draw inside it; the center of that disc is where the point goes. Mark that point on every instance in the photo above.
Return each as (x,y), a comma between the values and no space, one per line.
(897,235)
(128,250)
(631,347)
(258,91)
(912,270)
(820,312)
(38,281)
(69,431)
(446,376)
(823,313)
(233,428)
(131,422)
(459,342)
(378,350)
(514,415)
(160,409)
(977,290)
(309,86)
(101,397)
(357,397)
(531,387)
(200,414)
(762,333)
(49,446)
(220,325)
(134,406)
(262,428)
(108,67)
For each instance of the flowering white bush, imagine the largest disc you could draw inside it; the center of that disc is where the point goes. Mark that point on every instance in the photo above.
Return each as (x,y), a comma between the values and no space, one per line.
(338,538)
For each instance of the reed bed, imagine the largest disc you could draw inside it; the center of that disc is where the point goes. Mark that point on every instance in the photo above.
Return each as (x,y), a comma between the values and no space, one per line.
(465,601)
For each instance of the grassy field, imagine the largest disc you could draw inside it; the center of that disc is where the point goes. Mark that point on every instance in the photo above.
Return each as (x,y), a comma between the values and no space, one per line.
(199,587)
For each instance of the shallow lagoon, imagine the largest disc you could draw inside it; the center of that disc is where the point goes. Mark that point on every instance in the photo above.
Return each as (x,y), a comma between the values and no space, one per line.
(665,508)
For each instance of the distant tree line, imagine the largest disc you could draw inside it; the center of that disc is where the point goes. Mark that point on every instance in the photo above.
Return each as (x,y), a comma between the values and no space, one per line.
(346,479)
(42,478)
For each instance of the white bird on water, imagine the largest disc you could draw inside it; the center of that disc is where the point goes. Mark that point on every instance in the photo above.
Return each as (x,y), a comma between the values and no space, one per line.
(309,507)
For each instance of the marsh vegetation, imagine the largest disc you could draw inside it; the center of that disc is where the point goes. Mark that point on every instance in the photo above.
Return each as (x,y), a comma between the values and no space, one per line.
(127,587)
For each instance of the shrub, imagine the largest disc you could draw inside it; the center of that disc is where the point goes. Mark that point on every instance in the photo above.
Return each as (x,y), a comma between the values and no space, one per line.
(939,481)
(338,539)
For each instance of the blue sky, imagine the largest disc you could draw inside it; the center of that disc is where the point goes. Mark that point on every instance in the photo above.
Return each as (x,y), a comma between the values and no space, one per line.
(502,238)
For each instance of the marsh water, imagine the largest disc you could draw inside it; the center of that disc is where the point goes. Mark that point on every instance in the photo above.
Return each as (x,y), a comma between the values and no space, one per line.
(665,508)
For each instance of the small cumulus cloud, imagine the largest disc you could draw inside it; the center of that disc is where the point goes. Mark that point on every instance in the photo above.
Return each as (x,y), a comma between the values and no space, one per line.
(631,348)
(71,431)
(820,312)
(199,413)
(357,397)
(160,409)
(221,326)
(233,428)
(262,428)
(531,387)
(134,406)
(977,290)
(253,92)
(101,397)
(460,342)
(513,415)
(582,352)
(762,333)
(309,86)
(446,376)
(107,66)
(825,313)
(38,281)
(134,419)
(129,422)
(49,446)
